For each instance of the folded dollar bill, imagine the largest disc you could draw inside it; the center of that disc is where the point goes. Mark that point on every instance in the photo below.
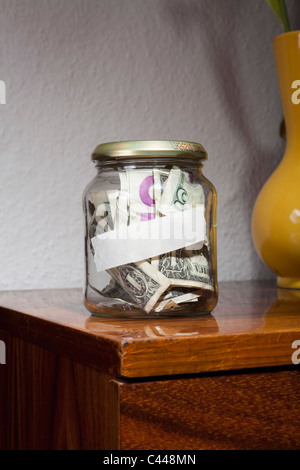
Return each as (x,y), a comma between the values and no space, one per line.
(150,273)
(178,192)
(143,283)
(185,268)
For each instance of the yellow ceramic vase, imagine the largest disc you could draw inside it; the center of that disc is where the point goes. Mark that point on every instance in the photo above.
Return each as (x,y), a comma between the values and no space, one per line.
(276,213)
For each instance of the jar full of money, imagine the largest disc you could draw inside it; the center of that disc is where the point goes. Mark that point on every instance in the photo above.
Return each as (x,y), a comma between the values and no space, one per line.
(150,231)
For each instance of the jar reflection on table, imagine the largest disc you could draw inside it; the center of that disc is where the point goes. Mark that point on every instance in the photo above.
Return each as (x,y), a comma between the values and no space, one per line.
(137,329)
(150,231)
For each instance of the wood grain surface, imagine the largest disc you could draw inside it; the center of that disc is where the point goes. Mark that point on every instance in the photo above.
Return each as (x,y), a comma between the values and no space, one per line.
(245,411)
(48,401)
(253,325)
(76,381)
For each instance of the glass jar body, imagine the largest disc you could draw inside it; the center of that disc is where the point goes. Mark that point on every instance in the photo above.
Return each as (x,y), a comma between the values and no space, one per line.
(150,239)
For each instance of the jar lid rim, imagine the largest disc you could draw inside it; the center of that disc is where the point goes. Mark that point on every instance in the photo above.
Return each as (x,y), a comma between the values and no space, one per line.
(148,148)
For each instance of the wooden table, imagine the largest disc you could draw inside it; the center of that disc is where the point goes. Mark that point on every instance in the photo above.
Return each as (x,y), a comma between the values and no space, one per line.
(221,381)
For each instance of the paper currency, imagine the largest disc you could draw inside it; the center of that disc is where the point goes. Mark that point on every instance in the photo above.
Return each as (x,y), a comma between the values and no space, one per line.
(94,228)
(104,203)
(160,178)
(122,202)
(140,185)
(143,283)
(161,282)
(116,291)
(174,298)
(102,209)
(184,268)
(179,192)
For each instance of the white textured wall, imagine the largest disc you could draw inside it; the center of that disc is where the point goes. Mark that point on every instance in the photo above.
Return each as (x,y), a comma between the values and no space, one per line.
(82,72)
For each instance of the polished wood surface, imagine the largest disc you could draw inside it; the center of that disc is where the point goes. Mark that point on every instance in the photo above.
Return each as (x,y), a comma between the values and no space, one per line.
(48,401)
(243,411)
(253,325)
(75,381)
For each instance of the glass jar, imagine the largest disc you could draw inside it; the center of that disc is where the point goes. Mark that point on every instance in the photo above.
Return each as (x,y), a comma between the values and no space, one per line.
(150,231)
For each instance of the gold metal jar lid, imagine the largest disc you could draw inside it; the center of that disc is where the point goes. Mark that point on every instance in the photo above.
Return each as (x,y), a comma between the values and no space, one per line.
(148,148)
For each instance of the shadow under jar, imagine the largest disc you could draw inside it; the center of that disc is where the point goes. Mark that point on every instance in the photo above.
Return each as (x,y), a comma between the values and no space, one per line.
(150,231)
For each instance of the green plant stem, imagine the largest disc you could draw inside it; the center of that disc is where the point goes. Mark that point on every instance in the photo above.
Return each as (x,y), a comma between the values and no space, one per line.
(284,16)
